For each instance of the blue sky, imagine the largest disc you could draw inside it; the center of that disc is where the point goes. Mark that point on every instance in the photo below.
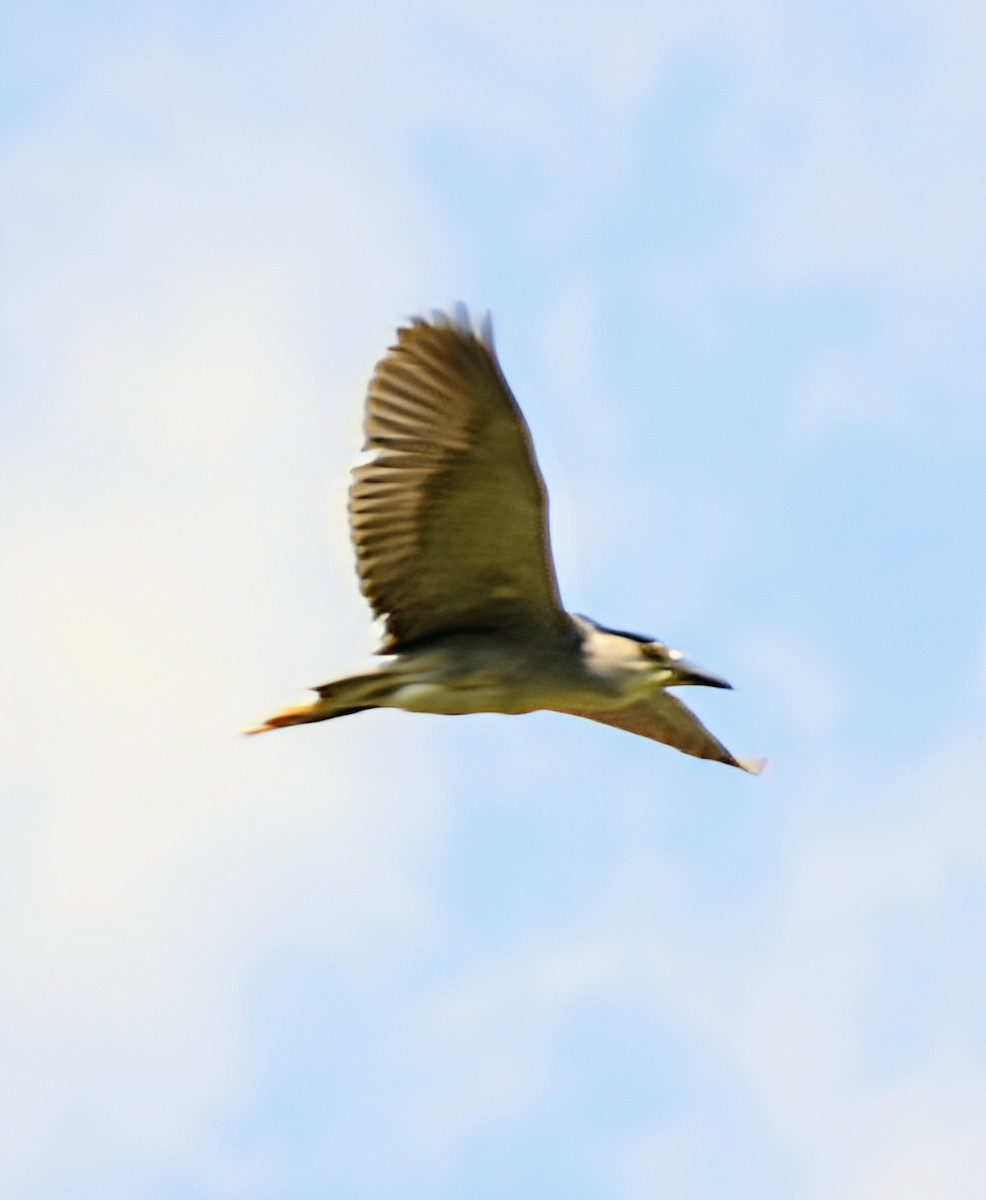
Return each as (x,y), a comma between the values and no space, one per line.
(735,255)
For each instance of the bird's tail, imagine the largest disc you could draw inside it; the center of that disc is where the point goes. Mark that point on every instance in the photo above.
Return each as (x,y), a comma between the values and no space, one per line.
(339,698)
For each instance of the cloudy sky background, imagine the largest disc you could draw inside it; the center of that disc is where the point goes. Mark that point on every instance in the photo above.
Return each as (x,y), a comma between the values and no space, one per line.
(736,257)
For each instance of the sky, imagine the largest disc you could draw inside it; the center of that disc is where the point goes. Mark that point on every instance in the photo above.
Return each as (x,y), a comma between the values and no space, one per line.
(735,256)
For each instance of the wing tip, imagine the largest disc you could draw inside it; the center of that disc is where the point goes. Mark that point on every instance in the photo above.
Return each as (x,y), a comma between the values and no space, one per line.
(456,317)
(752,766)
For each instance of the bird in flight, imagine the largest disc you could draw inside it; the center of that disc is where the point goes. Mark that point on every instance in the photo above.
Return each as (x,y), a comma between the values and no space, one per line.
(449,518)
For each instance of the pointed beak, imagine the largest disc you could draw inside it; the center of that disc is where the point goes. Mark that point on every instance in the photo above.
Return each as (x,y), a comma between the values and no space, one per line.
(688,674)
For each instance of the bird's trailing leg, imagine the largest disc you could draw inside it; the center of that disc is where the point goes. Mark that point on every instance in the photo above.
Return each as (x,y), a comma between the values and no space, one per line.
(337,699)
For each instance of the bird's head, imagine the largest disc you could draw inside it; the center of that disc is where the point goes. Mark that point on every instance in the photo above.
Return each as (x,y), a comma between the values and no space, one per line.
(670,668)
(644,657)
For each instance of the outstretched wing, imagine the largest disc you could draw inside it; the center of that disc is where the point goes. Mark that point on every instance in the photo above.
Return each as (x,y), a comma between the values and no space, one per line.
(663,718)
(449,518)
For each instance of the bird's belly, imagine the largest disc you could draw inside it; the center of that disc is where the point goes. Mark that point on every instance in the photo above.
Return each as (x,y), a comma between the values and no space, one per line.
(459,696)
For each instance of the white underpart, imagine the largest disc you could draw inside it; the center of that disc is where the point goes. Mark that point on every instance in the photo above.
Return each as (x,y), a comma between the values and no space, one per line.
(414,695)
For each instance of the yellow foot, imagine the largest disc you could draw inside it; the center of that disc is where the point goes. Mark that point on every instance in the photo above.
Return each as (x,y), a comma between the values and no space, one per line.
(290,716)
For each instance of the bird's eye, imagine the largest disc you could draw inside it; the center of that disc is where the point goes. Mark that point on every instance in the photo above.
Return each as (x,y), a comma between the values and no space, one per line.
(657,651)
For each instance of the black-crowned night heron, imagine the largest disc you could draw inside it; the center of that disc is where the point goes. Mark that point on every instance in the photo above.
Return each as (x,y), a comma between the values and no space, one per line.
(449,521)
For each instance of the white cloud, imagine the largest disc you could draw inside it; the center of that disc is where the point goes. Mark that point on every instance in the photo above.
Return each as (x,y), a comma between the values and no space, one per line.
(488,1038)
(783,1003)
(195,320)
